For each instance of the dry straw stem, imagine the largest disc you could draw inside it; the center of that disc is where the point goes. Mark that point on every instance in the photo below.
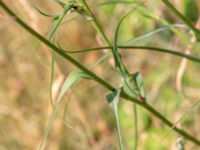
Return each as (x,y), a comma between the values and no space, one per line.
(95,77)
(184,61)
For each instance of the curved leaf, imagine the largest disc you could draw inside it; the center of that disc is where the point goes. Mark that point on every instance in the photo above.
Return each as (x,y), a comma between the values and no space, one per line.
(70,80)
(113,100)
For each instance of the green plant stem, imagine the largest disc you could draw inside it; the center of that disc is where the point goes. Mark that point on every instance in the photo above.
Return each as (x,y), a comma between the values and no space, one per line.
(95,77)
(118,64)
(53,31)
(97,26)
(157,49)
(135,127)
(183,18)
(118,130)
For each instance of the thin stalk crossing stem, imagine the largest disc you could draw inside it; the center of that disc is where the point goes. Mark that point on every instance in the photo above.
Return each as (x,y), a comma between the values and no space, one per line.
(157,49)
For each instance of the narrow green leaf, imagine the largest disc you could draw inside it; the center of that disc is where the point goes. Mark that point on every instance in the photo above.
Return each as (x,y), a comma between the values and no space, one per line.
(44,13)
(151,33)
(118,63)
(75,85)
(113,100)
(57,20)
(68,20)
(134,86)
(178,53)
(74,76)
(61,3)
(70,80)
(55,24)
(139,83)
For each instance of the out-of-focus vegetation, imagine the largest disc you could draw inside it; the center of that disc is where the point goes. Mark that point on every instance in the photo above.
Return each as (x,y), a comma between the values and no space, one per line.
(84,120)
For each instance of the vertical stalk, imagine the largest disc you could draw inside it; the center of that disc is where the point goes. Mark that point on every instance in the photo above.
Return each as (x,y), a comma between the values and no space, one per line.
(53,30)
(135,127)
(97,26)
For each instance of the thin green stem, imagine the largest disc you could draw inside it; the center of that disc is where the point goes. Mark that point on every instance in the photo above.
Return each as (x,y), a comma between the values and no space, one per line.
(183,18)
(118,130)
(157,49)
(58,20)
(53,115)
(135,127)
(95,77)
(97,26)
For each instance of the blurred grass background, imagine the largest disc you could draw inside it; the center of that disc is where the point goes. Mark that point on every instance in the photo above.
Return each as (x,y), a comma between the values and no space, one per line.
(89,124)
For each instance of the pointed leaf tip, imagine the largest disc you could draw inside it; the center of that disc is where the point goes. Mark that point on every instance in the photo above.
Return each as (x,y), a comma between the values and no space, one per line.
(134,86)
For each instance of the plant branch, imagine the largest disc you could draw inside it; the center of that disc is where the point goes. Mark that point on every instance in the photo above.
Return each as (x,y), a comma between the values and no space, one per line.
(157,49)
(183,18)
(135,126)
(95,77)
(96,24)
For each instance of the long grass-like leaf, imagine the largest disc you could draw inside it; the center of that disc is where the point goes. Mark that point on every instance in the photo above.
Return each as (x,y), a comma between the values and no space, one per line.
(113,100)
(132,84)
(149,14)
(71,79)
(148,34)
(68,20)
(74,86)
(55,24)
(118,63)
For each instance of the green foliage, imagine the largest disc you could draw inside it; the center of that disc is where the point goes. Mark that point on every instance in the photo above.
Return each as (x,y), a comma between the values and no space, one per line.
(132,84)
(113,100)
(70,80)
